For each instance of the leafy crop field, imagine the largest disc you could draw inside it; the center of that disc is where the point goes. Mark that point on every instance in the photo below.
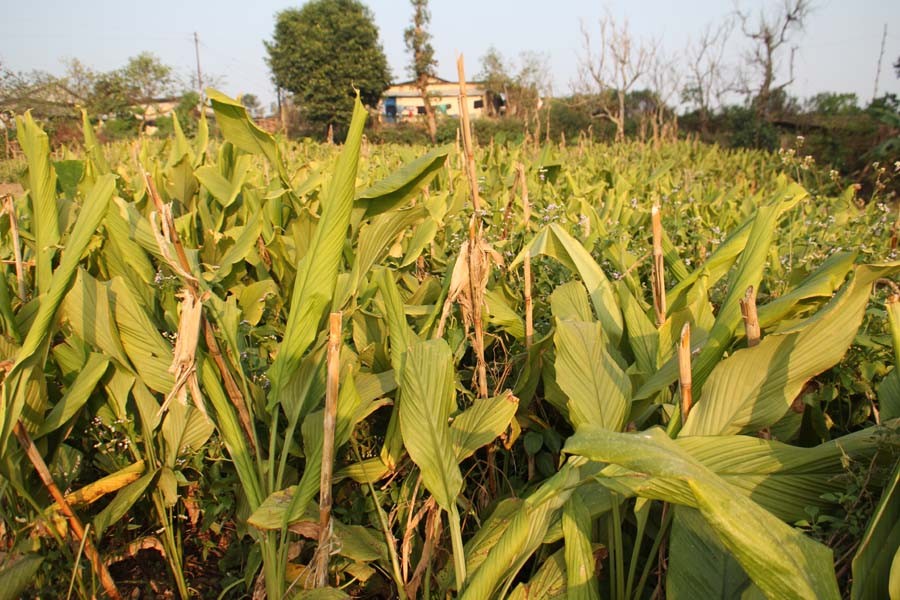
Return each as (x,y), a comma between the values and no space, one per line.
(240,367)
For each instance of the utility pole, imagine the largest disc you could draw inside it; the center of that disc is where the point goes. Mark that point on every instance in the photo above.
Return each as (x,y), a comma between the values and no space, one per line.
(880,57)
(199,74)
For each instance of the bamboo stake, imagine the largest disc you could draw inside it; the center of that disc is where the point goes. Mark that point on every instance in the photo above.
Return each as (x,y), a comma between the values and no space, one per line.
(333,366)
(684,371)
(529,307)
(476,256)
(659,284)
(40,466)
(751,319)
(17,247)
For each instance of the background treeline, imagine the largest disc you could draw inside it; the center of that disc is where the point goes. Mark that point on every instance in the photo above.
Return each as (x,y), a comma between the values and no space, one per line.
(627,86)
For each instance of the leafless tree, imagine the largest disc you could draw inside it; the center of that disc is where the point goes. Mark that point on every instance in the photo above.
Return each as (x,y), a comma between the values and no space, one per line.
(708,79)
(614,65)
(665,79)
(770,33)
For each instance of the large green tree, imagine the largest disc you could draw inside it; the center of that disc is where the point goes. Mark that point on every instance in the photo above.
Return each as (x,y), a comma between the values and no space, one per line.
(324,50)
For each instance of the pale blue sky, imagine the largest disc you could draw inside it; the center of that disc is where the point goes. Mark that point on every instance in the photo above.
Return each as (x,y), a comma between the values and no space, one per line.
(838,50)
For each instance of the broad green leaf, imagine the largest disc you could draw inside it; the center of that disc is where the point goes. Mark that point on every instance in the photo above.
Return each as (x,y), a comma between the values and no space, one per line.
(377,236)
(289,505)
(783,479)
(889,395)
(87,309)
(121,504)
(223,190)
(69,173)
(253,297)
(427,398)
(238,128)
(17,575)
(399,332)
(423,235)
(754,387)
(35,346)
(317,273)
(42,194)
(821,283)
(243,244)
(403,184)
(147,350)
(597,389)
(642,336)
(77,394)
(782,562)
(569,301)
(232,435)
(699,564)
(873,566)
(184,429)
(548,583)
(555,242)
(576,524)
(179,148)
(754,251)
(92,147)
(519,536)
(481,423)
(499,313)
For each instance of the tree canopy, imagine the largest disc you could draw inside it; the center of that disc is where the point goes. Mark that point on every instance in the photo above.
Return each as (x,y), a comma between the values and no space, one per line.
(322,52)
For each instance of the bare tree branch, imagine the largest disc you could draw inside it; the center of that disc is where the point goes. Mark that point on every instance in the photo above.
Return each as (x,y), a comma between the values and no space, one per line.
(615,67)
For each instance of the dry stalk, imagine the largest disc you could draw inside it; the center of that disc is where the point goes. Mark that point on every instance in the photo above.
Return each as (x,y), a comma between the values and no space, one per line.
(507,212)
(659,284)
(333,368)
(412,522)
(75,525)
(432,536)
(182,266)
(751,319)
(684,371)
(478,266)
(10,209)
(526,217)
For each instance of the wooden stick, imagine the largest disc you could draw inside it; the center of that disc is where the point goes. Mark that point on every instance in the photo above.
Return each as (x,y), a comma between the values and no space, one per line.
(333,366)
(659,284)
(684,371)
(529,307)
(751,319)
(17,246)
(40,466)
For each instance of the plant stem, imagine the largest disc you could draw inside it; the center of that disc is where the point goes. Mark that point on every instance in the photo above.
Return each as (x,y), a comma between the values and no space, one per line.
(620,550)
(660,535)
(389,540)
(459,557)
(659,285)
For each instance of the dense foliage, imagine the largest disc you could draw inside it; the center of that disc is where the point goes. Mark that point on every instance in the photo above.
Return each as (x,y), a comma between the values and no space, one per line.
(510,417)
(321,53)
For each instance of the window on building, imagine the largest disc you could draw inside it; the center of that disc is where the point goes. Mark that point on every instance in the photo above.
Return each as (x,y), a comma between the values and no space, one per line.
(479,104)
(421,110)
